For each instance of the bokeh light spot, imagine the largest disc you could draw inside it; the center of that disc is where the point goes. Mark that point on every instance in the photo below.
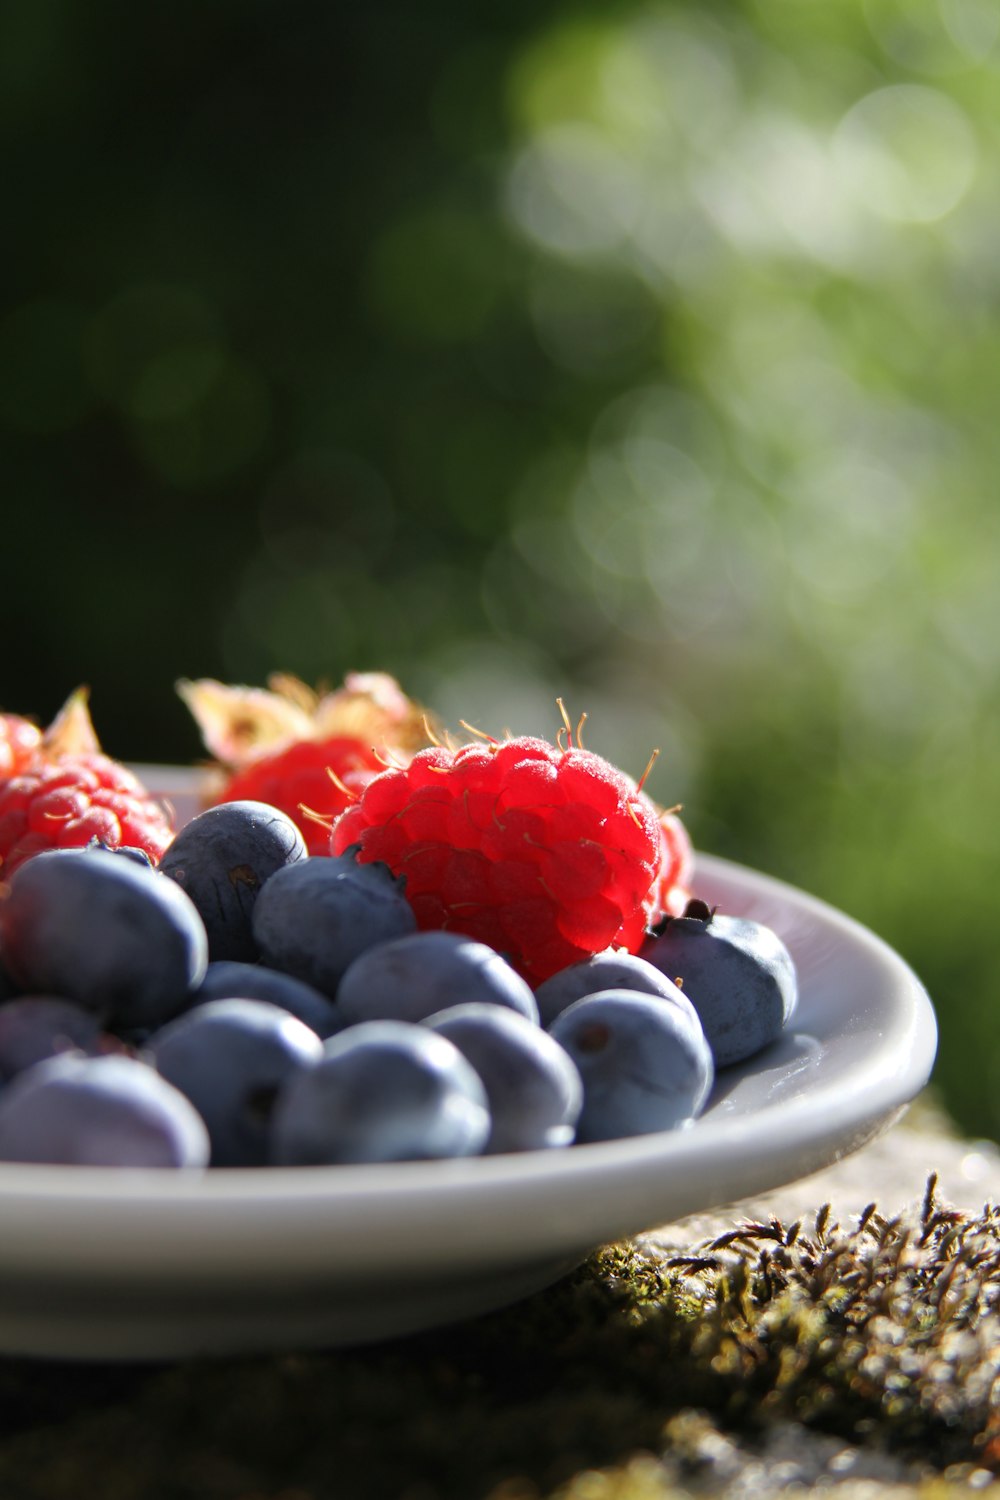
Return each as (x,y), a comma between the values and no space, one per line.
(573,192)
(907,153)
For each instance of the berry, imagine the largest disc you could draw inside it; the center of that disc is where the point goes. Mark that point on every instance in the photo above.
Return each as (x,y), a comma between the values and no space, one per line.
(230,1058)
(99,1111)
(304,754)
(221,859)
(737,973)
(300,777)
(40,1026)
(644,1066)
(69,794)
(611,970)
(532,1084)
(226,980)
(384,1091)
(123,942)
(20,741)
(546,854)
(411,977)
(676,865)
(65,804)
(312,919)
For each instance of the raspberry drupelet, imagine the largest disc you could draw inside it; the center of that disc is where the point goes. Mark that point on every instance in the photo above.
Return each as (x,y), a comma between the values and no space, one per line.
(549,854)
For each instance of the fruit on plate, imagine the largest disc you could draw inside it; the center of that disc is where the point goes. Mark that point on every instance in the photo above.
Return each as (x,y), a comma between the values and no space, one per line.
(532,1085)
(230,1058)
(737,973)
(221,859)
(411,977)
(67,792)
(99,1111)
(303,752)
(544,851)
(20,741)
(312,919)
(383,1091)
(35,1027)
(120,940)
(226,979)
(644,1067)
(614,969)
(487,955)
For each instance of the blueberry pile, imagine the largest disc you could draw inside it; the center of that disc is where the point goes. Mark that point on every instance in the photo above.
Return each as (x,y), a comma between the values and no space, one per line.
(247,1004)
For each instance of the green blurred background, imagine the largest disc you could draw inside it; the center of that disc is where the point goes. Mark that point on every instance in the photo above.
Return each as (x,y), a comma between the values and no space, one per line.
(646,354)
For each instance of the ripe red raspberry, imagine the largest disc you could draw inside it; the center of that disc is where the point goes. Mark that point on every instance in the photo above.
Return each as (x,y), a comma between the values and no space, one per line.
(547,854)
(19,743)
(300,777)
(63,804)
(67,792)
(676,865)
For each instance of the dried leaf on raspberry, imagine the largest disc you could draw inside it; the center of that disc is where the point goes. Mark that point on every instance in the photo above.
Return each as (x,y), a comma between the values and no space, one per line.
(307,753)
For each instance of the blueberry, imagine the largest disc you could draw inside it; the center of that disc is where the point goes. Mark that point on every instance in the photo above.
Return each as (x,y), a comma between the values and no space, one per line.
(123,851)
(737,973)
(312,919)
(643,1065)
(532,1084)
(411,977)
(613,969)
(235,981)
(99,1111)
(222,858)
(230,1058)
(384,1091)
(121,941)
(39,1026)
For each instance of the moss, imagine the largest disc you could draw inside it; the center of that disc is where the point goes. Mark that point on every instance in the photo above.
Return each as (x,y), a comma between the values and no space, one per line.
(618,1384)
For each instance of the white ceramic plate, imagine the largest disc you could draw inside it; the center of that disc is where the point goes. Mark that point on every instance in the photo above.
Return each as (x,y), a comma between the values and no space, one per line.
(116,1263)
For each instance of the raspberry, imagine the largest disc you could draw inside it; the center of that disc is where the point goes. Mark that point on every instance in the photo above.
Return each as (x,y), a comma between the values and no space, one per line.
(63,804)
(305,754)
(547,854)
(19,743)
(676,865)
(300,777)
(65,792)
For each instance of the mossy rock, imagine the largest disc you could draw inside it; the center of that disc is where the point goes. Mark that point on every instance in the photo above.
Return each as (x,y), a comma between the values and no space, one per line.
(624,1382)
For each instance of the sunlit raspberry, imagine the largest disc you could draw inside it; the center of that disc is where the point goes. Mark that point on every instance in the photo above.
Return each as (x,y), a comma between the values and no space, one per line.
(548,854)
